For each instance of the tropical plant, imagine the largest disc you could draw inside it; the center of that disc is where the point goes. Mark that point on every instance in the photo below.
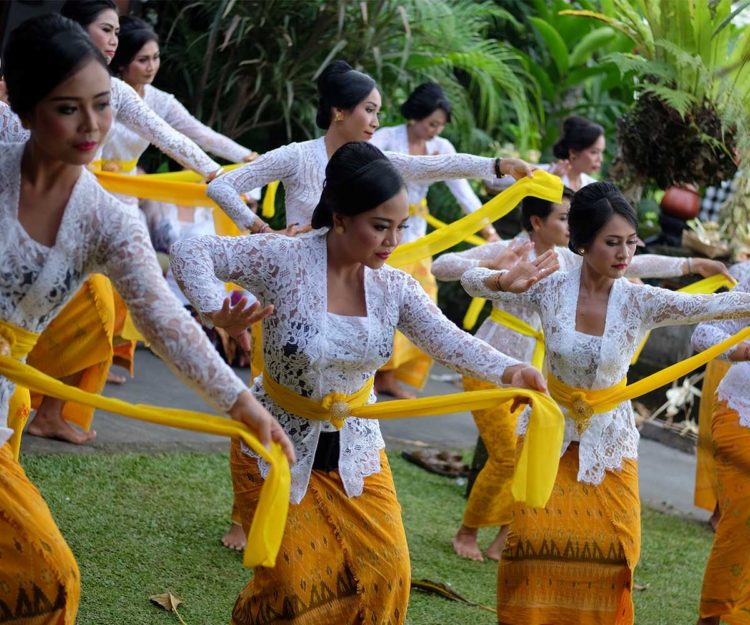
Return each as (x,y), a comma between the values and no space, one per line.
(249,68)
(689,114)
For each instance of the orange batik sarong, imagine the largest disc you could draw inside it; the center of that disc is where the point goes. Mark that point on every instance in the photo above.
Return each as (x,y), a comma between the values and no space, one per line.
(39,579)
(79,341)
(491,501)
(343,561)
(412,365)
(726,583)
(572,562)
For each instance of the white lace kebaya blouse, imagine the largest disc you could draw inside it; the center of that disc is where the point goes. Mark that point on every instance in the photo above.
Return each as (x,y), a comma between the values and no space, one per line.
(396,139)
(597,362)
(450,267)
(301,169)
(98,234)
(313,352)
(129,109)
(733,388)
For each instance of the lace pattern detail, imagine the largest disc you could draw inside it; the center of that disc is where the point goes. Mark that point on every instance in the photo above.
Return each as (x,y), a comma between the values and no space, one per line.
(315,353)
(301,169)
(11,129)
(99,234)
(599,362)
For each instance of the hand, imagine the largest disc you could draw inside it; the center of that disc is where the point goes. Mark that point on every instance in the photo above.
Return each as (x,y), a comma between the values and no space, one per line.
(516,252)
(515,167)
(237,319)
(560,168)
(215,174)
(524,274)
(740,353)
(489,233)
(293,230)
(706,267)
(250,157)
(248,410)
(524,376)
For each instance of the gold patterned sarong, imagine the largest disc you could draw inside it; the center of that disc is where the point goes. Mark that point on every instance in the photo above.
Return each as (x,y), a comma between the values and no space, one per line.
(342,561)
(572,563)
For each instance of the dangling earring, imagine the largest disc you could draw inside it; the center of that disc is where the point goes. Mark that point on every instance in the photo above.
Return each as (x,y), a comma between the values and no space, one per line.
(339,229)
(411,122)
(581,251)
(339,117)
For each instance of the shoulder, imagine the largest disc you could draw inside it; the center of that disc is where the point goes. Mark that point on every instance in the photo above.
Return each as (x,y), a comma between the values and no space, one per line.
(154,97)
(10,164)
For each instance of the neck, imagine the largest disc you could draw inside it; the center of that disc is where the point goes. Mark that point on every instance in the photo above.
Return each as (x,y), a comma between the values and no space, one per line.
(412,136)
(340,264)
(540,247)
(333,140)
(140,88)
(593,282)
(42,172)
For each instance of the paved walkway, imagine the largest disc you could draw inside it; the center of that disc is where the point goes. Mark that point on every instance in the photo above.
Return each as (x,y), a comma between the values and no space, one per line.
(667,475)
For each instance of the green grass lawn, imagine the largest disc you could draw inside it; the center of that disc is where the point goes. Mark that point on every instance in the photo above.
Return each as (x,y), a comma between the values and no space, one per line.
(146,524)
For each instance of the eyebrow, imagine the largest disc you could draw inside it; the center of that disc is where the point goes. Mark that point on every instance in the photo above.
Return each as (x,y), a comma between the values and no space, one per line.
(617,236)
(373,103)
(70,97)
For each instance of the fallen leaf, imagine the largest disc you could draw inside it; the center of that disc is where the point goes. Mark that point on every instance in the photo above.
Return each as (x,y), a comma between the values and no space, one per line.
(443,590)
(168,602)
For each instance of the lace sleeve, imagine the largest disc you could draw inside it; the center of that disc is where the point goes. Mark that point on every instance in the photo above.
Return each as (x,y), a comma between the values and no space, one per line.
(277,164)
(132,111)
(709,333)
(460,188)
(11,129)
(210,140)
(428,328)
(656,266)
(663,307)
(452,266)
(473,283)
(127,257)
(441,166)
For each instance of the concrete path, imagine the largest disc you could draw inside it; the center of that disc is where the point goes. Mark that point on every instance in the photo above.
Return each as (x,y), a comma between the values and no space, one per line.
(667,475)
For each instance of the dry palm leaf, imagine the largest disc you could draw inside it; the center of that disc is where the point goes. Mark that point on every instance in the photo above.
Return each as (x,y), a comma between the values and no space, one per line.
(445,591)
(168,602)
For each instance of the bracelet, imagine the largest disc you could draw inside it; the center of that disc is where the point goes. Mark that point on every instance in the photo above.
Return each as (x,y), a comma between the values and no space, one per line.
(498,171)
(497,281)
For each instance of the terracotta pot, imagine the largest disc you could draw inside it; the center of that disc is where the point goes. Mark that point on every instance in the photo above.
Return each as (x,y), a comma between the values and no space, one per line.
(681,202)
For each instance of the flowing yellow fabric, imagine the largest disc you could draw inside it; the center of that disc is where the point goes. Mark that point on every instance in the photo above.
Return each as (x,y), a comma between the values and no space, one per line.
(185,175)
(541,184)
(701,287)
(268,208)
(267,527)
(147,188)
(422,210)
(15,342)
(472,312)
(519,325)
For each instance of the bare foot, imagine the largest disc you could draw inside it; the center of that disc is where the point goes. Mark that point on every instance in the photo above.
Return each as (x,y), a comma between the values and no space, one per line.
(386,384)
(495,550)
(52,425)
(113,378)
(234,538)
(465,544)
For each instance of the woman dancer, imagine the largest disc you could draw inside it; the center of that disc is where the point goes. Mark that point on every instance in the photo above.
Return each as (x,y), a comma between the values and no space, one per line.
(593,320)
(427,111)
(77,346)
(545,224)
(348,106)
(725,596)
(344,557)
(57,225)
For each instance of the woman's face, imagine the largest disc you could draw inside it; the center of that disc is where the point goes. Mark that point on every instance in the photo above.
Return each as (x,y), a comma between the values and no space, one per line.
(70,123)
(104,31)
(144,66)
(370,238)
(588,160)
(553,229)
(429,127)
(361,122)
(613,247)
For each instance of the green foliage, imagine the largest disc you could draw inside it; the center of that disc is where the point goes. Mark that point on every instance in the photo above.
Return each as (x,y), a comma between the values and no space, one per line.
(249,68)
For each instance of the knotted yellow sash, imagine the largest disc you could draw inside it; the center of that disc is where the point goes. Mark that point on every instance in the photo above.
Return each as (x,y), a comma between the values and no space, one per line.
(541,184)
(582,403)
(519,325)
(17,343)
(267,529)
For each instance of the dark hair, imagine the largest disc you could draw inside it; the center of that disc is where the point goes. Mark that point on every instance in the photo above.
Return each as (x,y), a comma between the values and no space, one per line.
(592,208)
(424,101)
(578,133)
(341,86)
(86,11)
(359,177)
(537,207)
(41,53)
(134,34)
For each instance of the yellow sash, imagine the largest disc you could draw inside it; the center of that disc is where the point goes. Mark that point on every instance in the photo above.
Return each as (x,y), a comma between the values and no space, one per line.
(582,403)
(419,209)
(519,325)
(541,184)
(334,407)
(268,208)
(267,528)
(15,342)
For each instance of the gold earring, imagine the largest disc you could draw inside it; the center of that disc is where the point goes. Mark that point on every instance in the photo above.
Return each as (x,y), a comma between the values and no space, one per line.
(581,251)
(339,229)
(339,117)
